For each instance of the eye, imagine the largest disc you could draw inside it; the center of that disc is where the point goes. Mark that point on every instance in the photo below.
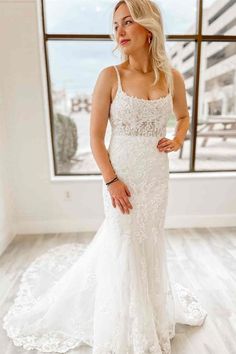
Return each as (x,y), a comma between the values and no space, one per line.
(115,28)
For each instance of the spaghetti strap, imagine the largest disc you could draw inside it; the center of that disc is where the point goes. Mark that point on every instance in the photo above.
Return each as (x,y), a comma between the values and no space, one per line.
(118,77)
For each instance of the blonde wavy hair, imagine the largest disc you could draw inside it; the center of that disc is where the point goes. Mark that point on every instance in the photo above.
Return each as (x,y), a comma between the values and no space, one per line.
(147,14)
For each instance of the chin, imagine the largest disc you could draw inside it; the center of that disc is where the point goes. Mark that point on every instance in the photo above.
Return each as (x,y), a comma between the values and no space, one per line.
(127,51)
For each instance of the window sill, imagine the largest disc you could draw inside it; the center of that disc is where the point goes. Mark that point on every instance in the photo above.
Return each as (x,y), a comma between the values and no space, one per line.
(173,175)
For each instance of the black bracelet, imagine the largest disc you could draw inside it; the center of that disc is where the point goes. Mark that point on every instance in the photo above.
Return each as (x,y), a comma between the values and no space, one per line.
(113,180)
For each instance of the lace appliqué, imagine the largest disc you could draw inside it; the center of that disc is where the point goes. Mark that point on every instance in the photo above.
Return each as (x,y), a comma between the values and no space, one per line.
(130,115)
(51,266)
(133,116)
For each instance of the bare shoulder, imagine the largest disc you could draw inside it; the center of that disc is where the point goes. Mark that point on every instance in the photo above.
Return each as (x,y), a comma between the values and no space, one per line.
(107,74)
(101,101)
(105,81)
(177,77)
(107,71)
(179,97)
(178,81)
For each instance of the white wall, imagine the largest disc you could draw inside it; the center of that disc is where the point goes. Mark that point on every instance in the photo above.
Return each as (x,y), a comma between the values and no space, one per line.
(39,200)
(7,211)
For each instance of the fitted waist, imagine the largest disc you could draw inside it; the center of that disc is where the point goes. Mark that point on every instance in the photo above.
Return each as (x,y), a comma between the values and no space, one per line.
(132,147)
(137,156)
(147,129)
(130,138)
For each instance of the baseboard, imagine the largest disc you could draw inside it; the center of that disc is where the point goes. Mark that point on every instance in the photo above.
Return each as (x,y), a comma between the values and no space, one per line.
(57,226)
(218,220)
(91,225)
(6,239)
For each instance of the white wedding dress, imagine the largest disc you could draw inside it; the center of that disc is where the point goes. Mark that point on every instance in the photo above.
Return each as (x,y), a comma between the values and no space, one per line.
(114,294)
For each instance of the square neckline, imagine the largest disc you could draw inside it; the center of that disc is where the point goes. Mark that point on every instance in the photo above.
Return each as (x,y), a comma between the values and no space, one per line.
(135,97)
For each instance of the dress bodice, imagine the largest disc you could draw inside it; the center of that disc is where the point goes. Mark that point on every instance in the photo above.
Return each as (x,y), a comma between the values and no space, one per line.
(130,115)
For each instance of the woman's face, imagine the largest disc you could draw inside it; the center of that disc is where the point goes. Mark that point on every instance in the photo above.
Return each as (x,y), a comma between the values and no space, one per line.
(125,28)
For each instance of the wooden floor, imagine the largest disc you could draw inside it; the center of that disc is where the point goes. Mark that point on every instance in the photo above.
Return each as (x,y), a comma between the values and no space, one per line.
(204,259)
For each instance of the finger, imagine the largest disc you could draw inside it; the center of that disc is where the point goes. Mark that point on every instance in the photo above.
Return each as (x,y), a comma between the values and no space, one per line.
(113,202)
(127,203)
(166,143)
(168,149)
(164,148)
(123,202)
(120,205)
(161,140)
(127,190)
(170,145)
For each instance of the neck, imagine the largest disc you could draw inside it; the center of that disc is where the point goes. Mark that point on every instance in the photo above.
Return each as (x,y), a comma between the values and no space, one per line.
(141,65)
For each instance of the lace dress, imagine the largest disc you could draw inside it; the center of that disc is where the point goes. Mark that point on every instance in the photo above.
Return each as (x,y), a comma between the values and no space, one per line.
(114,294)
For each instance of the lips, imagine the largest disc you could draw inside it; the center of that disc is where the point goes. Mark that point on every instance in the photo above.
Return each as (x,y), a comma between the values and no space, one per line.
(124,41)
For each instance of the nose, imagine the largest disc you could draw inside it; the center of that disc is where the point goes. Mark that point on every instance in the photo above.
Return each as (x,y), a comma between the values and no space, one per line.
(120,31)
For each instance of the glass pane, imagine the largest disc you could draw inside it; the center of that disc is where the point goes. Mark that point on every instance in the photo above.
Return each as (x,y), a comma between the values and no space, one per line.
(216,141)
(182,58)
(174,16)
(78,16)
(74,67)
(219,17)
(95,17)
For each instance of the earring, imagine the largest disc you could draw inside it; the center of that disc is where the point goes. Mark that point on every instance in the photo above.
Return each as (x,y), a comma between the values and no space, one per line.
(149,39)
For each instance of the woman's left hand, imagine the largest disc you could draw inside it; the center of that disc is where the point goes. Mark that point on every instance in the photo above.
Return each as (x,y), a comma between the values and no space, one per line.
(168,145)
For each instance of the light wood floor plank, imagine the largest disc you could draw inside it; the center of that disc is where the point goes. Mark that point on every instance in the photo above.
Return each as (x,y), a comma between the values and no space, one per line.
(202,259)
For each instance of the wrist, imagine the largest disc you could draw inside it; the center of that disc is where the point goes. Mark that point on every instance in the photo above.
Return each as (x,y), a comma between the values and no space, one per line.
(110,178)
(178,141)
(112,181)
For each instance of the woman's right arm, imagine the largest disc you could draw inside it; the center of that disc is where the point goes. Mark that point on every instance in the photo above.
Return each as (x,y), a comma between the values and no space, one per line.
(101,101)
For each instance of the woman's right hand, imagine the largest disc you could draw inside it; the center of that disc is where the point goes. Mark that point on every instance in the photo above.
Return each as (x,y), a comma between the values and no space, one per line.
(119,195)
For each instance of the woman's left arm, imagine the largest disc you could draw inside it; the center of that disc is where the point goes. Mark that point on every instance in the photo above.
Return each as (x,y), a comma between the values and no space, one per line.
(180,109)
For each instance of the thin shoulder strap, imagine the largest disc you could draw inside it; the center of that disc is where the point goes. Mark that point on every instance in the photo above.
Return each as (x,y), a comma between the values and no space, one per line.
(118,77)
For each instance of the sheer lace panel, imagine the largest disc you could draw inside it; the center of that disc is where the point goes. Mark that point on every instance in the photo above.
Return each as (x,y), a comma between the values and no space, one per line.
(130,115)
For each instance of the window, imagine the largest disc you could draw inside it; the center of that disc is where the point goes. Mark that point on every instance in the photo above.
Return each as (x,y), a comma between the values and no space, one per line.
(78,46)
(216,136)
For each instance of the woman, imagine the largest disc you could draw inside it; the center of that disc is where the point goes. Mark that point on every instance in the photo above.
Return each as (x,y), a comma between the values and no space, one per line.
(116,296)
